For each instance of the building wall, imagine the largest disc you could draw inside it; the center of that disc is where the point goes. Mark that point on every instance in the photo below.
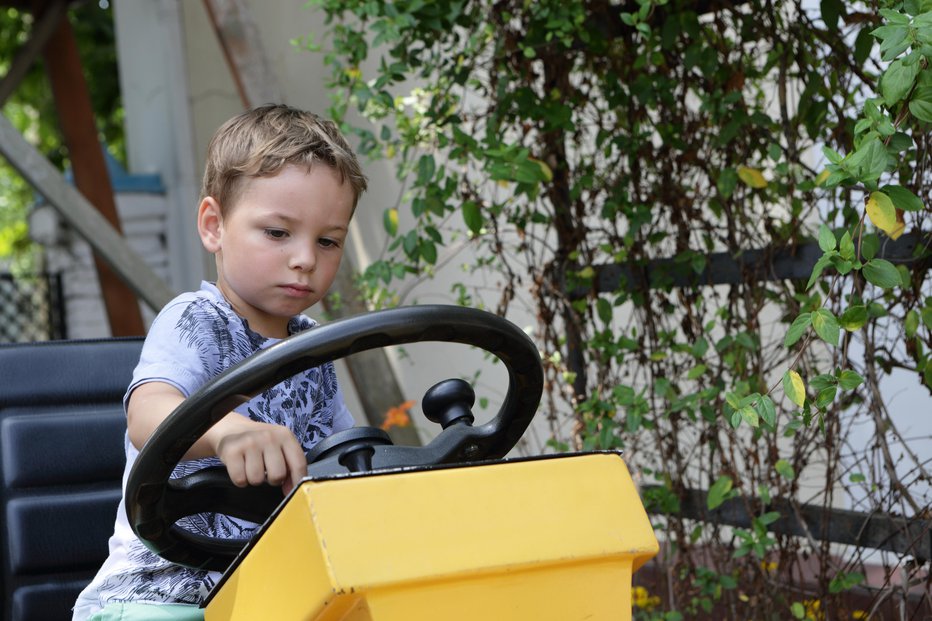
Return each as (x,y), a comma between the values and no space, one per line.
(142,216)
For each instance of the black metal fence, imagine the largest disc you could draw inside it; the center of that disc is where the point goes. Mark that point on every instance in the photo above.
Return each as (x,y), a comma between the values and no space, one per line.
(31,308)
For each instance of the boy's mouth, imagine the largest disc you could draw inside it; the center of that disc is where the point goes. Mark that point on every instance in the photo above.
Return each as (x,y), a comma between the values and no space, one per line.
(296,289)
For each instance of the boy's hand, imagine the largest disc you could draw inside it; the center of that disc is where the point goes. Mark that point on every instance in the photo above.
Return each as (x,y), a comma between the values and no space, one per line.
(256,452)
(253,452)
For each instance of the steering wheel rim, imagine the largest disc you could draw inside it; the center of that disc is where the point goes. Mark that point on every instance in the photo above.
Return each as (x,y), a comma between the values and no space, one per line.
(154,501)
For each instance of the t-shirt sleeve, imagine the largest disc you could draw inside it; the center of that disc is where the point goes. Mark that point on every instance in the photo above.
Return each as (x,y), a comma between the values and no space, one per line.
(171,353)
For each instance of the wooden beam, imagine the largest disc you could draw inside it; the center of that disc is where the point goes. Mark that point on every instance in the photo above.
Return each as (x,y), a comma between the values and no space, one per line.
(371,372)
(877,531)
(82,217)
(79,129)
(755,265)
(243,50)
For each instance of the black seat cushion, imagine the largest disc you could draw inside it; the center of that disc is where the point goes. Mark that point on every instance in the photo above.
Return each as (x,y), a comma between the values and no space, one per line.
(61,463)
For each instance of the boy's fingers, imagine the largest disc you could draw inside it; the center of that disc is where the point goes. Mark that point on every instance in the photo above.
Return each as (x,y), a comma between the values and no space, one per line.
(237,472)
(276,470)
(255,468)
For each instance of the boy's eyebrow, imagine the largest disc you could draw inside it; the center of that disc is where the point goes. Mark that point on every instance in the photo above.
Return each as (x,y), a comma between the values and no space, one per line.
(290,220)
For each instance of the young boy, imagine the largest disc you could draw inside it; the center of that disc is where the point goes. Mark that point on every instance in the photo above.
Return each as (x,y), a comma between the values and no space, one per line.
(280,187)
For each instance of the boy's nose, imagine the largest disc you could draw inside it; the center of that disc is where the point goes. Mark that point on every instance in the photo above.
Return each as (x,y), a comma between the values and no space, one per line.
(303,260)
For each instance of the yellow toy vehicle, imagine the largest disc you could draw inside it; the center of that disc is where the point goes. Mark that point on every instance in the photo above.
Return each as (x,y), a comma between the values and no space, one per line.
(382,532)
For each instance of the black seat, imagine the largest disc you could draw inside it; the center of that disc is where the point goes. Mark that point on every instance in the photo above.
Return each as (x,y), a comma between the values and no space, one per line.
(61,460)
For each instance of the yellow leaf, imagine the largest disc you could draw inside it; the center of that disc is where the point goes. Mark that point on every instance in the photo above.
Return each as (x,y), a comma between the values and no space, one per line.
(822,177)
(798,394)
(752,177)
(882,213)
(900,226)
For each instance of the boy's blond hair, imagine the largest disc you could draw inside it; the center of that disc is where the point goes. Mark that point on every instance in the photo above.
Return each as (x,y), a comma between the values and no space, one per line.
(262,141)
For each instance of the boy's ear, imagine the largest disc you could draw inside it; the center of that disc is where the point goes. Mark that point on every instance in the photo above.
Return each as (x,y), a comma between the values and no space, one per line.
(209,224)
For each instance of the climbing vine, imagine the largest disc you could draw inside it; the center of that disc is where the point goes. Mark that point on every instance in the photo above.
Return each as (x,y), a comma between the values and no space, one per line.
(607,163)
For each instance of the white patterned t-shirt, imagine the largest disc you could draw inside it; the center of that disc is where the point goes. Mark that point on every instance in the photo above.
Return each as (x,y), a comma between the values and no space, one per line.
(194,338)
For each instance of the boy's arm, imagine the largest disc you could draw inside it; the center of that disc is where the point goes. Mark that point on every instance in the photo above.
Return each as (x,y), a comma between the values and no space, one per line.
(252,452)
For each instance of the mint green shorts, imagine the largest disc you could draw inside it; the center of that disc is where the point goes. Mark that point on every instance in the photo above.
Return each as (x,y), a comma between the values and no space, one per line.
(149,612)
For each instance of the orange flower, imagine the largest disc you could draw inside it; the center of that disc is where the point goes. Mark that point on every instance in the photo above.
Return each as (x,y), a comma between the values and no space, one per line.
(398,416)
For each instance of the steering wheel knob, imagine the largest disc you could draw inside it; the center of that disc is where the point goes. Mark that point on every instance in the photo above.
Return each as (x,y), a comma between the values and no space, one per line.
(449,402)
(352,448)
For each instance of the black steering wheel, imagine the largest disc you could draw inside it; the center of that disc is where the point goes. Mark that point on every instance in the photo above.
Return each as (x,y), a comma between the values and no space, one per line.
(154,501)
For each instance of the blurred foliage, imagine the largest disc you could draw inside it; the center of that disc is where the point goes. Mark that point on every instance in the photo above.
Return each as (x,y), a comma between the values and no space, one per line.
(31,109)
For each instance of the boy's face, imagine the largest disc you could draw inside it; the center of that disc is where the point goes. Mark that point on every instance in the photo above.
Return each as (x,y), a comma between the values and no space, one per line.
(279,247)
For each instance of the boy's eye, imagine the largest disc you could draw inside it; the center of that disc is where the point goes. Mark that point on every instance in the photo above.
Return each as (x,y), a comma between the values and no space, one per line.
(329,243)
(276,233)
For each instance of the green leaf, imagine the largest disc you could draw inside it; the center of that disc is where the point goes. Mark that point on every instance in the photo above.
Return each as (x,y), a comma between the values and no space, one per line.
(767,411)
(797,329)
(894,17)
(604,310)
(862,46)
(826,239)
(733,400)
(846,247)
(820,382)
(903,198)
(831,10)
(826,326)
(911,323)
(696,372)
(897,81)
(854,318)
(826,396)
(894,40)
(882,273)
(426,167)
(845,581)
(832,155)
(920,105)
(727,180)
(428,251)
(849,380)
(798,611)
(749,415)
(719,492)
(870,244)
(472,216)
(784,469)
(824,261)
(869,161)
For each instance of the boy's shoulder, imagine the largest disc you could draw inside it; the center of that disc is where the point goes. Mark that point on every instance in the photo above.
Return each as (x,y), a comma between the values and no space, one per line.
(207,297)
